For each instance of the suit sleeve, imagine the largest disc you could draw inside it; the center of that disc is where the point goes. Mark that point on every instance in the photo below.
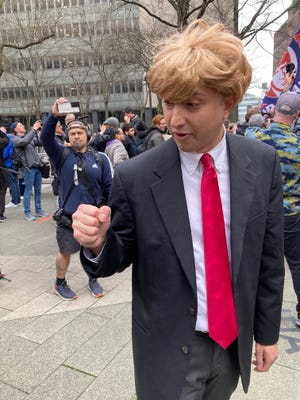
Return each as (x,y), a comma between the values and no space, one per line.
(271,277)
(119,250)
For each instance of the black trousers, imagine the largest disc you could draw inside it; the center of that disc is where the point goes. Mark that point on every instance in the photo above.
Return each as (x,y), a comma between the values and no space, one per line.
(3,189)
(213,372)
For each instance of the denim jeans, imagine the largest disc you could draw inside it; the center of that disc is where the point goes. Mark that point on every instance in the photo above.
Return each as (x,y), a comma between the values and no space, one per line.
(32,179)
(14,190)
(292,251)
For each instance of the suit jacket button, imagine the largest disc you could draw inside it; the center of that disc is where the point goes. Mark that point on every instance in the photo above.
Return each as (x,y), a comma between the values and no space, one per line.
(185,349)
(192,311)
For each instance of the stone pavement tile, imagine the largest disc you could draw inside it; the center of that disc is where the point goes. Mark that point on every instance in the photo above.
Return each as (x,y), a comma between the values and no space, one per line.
(102,348)
(8,264)
(116,381)
(119,294)
(17,293)
(9,393)
(9,328)
(108,311)
(29,263)
(279,383)
(42,328)
(3,312)
(37,366)
(13,349)
(37,264)
(40,238)
(36,307)
(64,384)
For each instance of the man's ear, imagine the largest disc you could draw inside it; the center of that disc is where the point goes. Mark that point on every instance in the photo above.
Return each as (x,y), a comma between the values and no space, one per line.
(229,103)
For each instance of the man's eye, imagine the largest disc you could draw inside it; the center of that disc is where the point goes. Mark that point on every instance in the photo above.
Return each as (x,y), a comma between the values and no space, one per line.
(192,105)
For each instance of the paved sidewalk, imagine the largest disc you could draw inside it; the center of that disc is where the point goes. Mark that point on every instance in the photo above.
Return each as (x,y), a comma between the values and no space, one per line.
(52,349)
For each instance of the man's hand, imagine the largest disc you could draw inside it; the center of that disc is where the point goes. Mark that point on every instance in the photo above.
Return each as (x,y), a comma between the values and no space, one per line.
(37,125)
(265,357)
(55,111)
(90,225)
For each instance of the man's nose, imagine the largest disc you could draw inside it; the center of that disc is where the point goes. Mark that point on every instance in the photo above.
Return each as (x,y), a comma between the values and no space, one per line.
(177,116)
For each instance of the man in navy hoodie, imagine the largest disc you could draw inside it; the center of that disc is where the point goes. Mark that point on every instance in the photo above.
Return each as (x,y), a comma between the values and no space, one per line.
(83,179)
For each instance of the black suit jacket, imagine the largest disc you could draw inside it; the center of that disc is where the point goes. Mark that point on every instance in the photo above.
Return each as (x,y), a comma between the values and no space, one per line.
(151,230)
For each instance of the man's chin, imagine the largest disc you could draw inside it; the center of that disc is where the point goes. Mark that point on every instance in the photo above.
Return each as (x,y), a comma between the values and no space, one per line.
(78,146)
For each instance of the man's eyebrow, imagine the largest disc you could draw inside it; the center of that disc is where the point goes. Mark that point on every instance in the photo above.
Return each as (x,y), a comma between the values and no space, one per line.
(198,94)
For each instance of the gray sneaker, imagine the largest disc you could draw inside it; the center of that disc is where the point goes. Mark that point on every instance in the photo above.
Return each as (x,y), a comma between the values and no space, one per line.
(29,217)
(41,214)
(64,291)
(95,288)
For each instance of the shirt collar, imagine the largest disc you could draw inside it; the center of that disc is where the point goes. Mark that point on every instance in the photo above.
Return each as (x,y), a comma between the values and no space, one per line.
(191,160)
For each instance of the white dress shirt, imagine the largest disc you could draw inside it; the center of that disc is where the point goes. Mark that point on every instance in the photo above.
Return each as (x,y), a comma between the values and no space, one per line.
(192,173)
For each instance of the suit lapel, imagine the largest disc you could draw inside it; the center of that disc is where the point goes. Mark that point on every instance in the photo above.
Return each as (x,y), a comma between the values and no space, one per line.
(169,196)
(242,182)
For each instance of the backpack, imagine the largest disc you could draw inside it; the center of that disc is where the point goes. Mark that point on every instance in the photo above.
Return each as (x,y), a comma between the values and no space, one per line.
(143,146)
(8,153)
(66,152)
(99,142)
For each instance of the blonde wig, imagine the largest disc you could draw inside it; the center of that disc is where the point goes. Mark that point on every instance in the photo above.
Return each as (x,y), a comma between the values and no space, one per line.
(202,55)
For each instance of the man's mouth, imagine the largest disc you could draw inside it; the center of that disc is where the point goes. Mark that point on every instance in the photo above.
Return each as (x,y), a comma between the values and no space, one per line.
(180,135)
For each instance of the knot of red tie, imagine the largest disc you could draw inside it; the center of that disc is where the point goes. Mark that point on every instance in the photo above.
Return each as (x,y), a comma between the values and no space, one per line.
(206,160)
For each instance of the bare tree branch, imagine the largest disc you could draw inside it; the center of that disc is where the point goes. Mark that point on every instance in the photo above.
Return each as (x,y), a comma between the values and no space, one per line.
(27,45)
(163,21)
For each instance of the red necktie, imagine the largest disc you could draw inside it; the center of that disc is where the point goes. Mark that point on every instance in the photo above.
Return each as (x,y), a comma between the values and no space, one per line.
(222,325)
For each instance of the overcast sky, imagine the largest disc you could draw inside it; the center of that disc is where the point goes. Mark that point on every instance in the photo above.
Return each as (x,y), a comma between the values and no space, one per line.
(260,58)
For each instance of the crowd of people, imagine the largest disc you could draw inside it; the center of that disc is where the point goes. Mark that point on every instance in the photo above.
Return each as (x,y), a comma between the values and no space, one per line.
(22,156)
(205,219)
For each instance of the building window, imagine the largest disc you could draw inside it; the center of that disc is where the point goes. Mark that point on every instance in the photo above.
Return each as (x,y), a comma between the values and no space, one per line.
(73,91)
(117,87)
(18,93)
(4,94)
(132,87)
(139,86)
(24,93)
(52,91)
(83,29)
(60,32)
(66,91)
(56,63)
(124,87)
(59,91)
(48,63)
(64,62)
(75,29)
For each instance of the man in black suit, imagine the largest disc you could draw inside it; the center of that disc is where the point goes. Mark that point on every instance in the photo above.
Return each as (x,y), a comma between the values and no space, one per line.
(154,222)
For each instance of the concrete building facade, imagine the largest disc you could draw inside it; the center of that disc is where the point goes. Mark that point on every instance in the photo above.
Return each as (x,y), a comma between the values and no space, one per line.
(88,58)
